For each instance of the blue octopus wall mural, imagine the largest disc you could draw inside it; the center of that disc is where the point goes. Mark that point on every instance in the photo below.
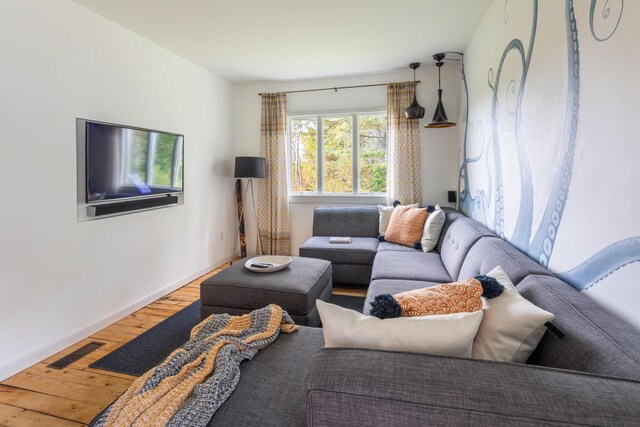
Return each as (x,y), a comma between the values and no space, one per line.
(529,122)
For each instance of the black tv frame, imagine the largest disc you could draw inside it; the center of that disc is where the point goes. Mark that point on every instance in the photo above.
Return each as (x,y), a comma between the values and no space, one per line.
(121,200)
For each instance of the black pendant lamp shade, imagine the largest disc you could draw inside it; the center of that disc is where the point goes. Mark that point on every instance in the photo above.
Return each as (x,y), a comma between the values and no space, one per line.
(440,119)
(415,111)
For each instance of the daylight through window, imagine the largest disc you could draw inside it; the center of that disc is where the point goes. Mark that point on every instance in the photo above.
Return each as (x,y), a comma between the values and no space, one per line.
(338,153)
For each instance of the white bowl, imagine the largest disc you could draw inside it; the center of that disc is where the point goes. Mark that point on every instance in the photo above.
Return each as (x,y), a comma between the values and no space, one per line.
(277,263)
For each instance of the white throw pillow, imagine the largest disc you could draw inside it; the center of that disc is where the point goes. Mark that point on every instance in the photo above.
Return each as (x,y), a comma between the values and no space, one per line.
(432,229)
(443,334)
(512,326)
(385,216)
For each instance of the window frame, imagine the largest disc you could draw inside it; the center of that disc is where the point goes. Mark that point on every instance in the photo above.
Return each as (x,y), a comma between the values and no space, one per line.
(355,152)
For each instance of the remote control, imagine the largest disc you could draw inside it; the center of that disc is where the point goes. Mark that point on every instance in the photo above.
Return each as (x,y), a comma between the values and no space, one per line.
(262,265)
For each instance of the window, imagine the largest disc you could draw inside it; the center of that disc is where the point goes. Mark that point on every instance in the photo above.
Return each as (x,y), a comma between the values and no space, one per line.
(338,153)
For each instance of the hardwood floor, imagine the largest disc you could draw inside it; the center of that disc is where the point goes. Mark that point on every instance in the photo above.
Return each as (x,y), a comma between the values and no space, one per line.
(73,396)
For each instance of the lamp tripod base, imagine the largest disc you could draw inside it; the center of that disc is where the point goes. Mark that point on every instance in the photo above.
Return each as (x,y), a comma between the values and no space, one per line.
(241,235)
(241,229)
(255,213)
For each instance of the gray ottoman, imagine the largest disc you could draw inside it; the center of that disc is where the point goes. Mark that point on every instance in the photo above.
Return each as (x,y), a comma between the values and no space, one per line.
(236,290)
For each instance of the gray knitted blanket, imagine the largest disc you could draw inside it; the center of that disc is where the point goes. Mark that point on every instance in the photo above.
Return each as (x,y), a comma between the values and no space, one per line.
(191,384)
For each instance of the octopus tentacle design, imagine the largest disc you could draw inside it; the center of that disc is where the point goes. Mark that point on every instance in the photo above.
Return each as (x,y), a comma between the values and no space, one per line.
(505,15)
(524,221)
(521,236)
(498,219)
(472,206)
(605,15)
(603,264)
(539,243)
(544,239)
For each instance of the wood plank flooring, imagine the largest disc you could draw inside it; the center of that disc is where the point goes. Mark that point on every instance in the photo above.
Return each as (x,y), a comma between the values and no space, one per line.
(42,396)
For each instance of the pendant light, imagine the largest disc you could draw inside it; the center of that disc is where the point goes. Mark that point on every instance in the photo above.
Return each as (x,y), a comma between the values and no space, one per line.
(415,111)
(440,119)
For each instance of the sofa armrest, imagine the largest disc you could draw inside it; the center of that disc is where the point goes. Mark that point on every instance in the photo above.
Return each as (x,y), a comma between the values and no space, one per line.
(375,388)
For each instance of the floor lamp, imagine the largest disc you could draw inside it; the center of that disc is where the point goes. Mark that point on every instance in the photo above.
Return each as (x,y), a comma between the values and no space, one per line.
(248,167)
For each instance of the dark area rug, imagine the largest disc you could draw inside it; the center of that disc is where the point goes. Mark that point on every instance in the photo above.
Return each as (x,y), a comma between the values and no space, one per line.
(153,346)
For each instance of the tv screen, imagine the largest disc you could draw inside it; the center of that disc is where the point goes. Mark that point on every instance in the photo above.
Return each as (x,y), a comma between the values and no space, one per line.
(125,162)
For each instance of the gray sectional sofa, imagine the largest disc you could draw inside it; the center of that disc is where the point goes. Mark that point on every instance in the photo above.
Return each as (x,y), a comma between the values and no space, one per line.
(587,374)
(590,376)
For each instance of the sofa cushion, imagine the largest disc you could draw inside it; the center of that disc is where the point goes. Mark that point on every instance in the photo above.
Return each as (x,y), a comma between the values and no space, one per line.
(439,334)
(273,383)
(391,286)
(385,217)
(512,326)
(346,221)
(459,238)
(479,227)
(447,298)
(432,229)
(594,340)
(490,252)
(349,387)
(416,265)
(406,225)
(388,246)
(361,250)
(450,216)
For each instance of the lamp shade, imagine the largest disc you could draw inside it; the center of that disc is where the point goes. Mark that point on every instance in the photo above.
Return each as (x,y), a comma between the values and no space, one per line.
(440,119)
(250,167)
(415,111)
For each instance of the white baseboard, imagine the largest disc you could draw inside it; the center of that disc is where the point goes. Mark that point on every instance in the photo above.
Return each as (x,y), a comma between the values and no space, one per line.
(15,366)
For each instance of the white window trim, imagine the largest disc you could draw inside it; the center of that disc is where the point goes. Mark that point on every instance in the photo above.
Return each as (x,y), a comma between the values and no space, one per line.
(321,196)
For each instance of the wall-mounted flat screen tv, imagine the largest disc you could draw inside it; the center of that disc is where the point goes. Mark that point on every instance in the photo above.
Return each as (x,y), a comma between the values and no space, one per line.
(125,162)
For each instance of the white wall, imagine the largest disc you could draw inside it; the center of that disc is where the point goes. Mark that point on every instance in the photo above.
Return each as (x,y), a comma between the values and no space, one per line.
(564,127)
(61,279)
(439,146)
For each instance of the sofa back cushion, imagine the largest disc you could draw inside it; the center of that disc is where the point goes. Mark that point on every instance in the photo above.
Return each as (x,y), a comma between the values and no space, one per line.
(489,252)
(594,341)
(460,236)
(450,216)
(346,221)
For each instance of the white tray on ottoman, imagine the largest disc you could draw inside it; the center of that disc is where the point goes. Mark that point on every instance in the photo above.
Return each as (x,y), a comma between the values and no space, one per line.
(268,263)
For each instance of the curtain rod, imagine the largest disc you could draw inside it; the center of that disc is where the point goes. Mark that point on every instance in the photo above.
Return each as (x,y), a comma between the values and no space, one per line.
(335,88)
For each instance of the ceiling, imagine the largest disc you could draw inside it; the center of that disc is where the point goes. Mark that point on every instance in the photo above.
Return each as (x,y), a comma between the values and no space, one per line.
(272,40)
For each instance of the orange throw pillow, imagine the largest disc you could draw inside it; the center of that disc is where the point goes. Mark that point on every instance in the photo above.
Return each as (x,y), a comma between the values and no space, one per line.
(458,297)
(406,225)
(449,298)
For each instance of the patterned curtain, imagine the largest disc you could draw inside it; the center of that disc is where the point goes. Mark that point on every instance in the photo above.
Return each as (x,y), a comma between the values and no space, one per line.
(403,142)
(273,204)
